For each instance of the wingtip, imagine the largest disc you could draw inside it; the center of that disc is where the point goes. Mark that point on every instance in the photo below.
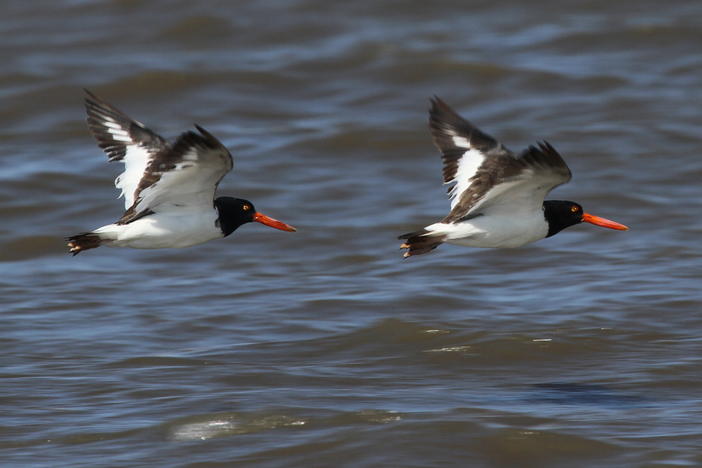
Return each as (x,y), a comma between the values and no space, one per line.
(91,97)
(435,99)
(210,138)
(203,132)
(438,103)
(547,148)
(440,113)
(93,101)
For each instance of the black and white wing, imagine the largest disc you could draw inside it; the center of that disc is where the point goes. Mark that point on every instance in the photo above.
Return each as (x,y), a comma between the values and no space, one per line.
(158,176)
(484,173)
(184,176)
(123,139)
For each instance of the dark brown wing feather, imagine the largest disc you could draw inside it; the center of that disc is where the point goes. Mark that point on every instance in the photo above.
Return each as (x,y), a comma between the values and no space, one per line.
(445,125)
(526,179)
(102,118)
(193,167)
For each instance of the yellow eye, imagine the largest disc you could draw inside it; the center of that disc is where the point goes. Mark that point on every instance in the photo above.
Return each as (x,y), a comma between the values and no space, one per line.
(246,207)
(574,209)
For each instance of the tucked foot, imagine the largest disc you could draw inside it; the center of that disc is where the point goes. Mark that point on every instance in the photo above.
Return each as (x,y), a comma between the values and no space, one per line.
(81,242)
(420,242)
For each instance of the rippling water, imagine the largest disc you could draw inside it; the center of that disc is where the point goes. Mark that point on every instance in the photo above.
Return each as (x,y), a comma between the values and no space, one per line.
(324,347)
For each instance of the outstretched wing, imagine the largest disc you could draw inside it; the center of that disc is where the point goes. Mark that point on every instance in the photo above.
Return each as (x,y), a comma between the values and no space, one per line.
(484,173)
(157,175)
(465,149)
(517,184)
(183,176)
(125,140)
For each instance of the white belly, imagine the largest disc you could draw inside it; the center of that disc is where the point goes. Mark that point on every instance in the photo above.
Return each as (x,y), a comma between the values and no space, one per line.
(494,231)
(163,230)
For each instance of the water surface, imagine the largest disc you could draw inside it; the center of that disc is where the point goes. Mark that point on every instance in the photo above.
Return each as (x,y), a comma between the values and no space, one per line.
(324,347)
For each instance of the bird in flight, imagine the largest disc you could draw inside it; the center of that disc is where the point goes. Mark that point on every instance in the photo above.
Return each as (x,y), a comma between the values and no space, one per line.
(497,197)
(168,188)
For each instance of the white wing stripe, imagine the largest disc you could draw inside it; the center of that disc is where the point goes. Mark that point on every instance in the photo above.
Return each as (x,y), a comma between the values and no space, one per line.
(112,124)
(121,137)
(135,160)
(461,142)
(468,165)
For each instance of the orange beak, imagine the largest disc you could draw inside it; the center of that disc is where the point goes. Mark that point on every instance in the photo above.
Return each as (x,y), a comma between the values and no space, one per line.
(596,220)
(274,223)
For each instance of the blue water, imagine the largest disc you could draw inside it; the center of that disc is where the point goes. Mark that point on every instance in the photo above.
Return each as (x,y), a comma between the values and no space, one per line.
(324,347)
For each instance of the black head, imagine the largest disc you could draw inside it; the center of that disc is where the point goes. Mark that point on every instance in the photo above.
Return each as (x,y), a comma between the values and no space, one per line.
(233,212)
(561,214)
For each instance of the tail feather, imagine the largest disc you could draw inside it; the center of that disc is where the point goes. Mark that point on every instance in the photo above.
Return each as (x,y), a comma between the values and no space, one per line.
(421,242)
(81,242)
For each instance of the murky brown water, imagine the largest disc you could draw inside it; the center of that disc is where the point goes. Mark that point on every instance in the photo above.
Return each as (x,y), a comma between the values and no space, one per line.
(324,347)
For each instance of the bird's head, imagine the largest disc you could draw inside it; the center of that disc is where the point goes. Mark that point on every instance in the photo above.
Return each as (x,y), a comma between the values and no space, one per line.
(233,212)
(561,214)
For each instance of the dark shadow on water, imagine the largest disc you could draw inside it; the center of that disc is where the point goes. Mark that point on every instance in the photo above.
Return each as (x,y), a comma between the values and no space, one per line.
(567,393)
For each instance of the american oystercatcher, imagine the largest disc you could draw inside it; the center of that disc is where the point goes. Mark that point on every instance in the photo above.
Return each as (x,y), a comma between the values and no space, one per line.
(497,198)
(168,188)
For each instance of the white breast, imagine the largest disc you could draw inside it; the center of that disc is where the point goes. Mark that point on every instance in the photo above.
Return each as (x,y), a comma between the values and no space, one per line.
(181,228)
(494,231)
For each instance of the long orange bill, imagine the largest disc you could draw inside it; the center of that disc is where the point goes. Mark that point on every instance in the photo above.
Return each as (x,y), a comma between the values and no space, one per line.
(274,223)
(596,220)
